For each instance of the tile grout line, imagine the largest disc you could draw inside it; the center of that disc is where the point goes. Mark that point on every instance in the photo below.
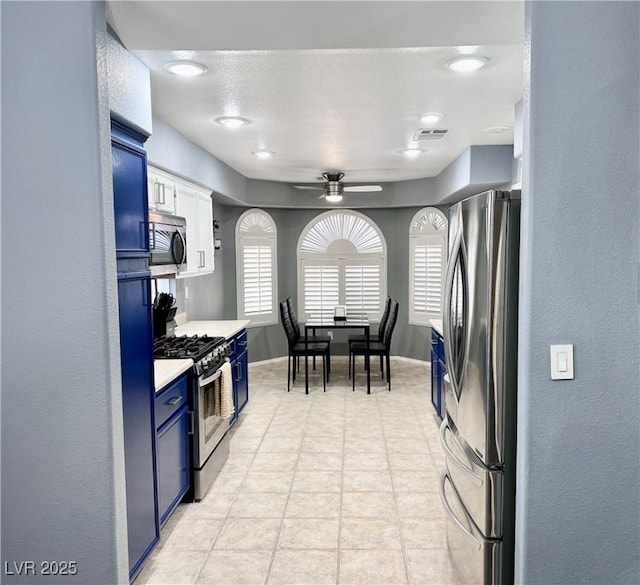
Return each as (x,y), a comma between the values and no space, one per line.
(284,512)
(234,499)
(341,499)
(405,558)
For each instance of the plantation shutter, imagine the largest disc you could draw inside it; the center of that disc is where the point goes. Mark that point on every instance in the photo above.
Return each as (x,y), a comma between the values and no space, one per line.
(256,261)
(258,279)
(341,261)
(428,268)
(321,288)
(427,264)
(363,287)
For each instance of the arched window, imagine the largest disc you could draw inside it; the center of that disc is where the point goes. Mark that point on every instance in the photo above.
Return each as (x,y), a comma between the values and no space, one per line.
(342,261)
(256,272)
(428,259)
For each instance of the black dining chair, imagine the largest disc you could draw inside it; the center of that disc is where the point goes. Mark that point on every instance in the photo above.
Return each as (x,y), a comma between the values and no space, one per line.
(381,348)
(361,337)
(298,348)
(310,338)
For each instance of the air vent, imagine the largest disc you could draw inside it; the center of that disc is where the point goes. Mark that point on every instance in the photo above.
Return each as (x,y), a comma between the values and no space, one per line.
(429,134)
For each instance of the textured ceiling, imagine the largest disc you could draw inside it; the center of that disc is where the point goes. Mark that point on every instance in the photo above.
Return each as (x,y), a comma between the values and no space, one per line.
(330,86)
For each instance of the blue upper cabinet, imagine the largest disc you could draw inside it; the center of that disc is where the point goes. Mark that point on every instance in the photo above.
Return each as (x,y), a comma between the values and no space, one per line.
(130,192)
(136,341)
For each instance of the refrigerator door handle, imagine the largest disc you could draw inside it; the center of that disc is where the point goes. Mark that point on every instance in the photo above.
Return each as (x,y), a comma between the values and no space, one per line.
(443,497)
(448,451)
(446,313)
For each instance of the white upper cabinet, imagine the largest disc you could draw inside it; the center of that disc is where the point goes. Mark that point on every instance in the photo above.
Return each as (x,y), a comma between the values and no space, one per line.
(195,205)
(162,190)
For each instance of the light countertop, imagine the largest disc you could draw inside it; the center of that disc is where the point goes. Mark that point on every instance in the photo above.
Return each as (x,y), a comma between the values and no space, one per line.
(166,371)
(436,324)
(213,328)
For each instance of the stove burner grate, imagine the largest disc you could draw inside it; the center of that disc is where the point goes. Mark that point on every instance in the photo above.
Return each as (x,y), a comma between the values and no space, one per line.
(194,347)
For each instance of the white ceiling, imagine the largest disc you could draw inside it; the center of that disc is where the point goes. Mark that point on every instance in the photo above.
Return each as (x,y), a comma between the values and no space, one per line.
(329,85)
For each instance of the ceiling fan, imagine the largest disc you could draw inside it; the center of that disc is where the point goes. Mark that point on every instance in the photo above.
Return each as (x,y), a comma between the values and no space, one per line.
(333,187)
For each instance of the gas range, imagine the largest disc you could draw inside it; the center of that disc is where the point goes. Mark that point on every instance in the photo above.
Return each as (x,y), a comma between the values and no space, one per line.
(208,353)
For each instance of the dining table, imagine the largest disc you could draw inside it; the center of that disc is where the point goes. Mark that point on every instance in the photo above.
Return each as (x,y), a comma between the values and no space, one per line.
(353,320)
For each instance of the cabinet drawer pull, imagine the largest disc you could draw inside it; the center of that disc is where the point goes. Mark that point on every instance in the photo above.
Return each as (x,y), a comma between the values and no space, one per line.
(173,401)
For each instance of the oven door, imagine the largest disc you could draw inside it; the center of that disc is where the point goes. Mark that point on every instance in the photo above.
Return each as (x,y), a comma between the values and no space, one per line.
(210,427)
(167,242)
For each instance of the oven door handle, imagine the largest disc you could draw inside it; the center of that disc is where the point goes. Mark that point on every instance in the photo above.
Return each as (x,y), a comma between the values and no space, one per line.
(213,378)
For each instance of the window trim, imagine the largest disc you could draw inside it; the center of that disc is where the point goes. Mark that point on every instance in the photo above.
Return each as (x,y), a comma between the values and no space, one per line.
(341,259)
(427,234)
(257,235)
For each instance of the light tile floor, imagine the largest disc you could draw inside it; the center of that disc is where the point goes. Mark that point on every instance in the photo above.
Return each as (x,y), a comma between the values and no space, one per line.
(336,487)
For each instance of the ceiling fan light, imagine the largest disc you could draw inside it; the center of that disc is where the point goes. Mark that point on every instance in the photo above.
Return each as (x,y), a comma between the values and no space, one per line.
(186,68)
(333,198)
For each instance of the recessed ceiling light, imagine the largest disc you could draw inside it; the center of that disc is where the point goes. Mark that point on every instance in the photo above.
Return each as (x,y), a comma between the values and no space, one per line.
(467,63)
(498,129)
(232,121)
(412,152)
(431,117)
(186,68)
(335,198)
(263,153)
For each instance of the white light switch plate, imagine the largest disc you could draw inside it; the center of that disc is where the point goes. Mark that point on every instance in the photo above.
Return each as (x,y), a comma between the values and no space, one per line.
(561,362)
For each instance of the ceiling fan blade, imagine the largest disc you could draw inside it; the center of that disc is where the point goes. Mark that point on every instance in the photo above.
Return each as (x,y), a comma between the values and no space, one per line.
(363,188)
(319,188)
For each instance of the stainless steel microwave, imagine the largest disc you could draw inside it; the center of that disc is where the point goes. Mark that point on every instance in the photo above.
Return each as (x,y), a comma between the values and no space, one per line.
(167,243)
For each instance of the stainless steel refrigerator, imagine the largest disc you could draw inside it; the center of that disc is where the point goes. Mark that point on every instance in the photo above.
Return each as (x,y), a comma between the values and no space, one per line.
(478,432)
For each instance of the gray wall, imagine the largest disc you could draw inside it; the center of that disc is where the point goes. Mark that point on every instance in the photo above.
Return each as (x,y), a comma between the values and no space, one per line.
(578,496)
(63,490)
(129,87)
(269,342)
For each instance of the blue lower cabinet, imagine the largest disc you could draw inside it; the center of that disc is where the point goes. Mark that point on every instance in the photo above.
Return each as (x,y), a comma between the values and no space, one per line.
(436,384)
(438,370)
(173,462)
(242,381)
(173,445)
(136,350)
(239,358)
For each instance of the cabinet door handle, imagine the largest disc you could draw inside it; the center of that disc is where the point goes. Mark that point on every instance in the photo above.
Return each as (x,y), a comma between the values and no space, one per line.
(173,401)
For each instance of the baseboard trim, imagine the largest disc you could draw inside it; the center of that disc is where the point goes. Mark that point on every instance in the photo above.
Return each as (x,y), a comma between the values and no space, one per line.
(399,358)
(269,361)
